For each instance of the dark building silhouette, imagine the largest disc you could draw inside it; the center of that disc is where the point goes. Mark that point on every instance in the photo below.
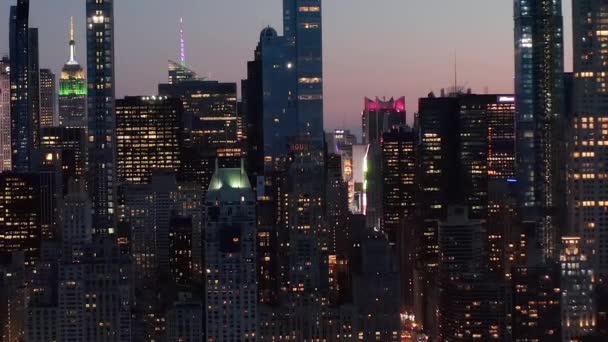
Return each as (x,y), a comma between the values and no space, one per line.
(48,94)
(102,180)
(25,106)
(539,99)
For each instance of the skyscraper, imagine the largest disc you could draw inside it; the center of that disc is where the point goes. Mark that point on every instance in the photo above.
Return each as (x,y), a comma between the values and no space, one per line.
(20,208)
(5,115)
(47,98)
(590,132)
(72,90)
(578,302)
(24,87)
(147,133)
(539,103)
(101,116)
(230,258)
(380,116)
(210,109)
(302,26)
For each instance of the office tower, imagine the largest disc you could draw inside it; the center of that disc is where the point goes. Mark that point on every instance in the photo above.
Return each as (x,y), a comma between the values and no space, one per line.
(76,234)
(376,291)
(68,147)
(230,257)
(337,207)
(536,299)
(148,133)
(5,115)
(578,302)
(471,305)
(47,98)
(180,249)
(24,87)
(72,90)
(380,116)
(302,26)
(20,207)
(590,132)
(13,297)
(101,116)
(271,93)
(398,174)
(210,107)
(107,296)
(185,319)
(147,211)
(540,118)
(178,72)
(341,142)
(51,192)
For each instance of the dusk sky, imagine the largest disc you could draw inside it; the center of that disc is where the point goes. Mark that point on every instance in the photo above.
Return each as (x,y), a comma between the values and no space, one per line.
(371,47)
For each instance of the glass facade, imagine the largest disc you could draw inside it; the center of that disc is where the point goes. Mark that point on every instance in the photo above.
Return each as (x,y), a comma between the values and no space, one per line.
(539,101)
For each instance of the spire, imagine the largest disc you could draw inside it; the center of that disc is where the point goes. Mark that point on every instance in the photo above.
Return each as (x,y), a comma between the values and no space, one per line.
(182,43)
(72,43)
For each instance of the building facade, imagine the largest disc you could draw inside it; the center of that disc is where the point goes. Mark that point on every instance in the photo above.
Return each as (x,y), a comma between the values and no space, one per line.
(147,132)
(590,132)
(5,115)
(230,258)
(24,87)
(101,114)
(539,68)
(47,98)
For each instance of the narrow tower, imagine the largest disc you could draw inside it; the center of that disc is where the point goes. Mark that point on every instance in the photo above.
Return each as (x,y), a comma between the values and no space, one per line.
(101,118)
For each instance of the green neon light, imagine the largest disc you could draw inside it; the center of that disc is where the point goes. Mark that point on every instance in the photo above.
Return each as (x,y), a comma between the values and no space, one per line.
(72,88)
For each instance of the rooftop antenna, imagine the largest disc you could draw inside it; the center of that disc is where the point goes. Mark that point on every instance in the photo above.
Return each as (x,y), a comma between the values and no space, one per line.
(72,43)
(182,43)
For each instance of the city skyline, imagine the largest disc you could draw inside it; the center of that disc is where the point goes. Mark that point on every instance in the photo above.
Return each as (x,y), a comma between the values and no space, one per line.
(352,44)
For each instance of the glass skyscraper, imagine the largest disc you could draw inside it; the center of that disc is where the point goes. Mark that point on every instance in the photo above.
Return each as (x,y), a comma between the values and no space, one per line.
(303,32)
(24,86)
(539,101)
(101,114)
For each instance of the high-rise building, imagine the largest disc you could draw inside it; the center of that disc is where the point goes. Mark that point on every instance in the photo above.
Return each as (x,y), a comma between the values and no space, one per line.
(539,100)
(337,213)
(536,299)
(376,291)
(20,207)
(302,26)
(230,258)
(578,291)
(72,90)
(399,200)
(185,319)
(271,78)
(380,116)
(102,180)
(5,115)
(398,174)
(69,146)
(147,133)
(47,98)
(24,87)
(180,249)
(590,132)
(210,109)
